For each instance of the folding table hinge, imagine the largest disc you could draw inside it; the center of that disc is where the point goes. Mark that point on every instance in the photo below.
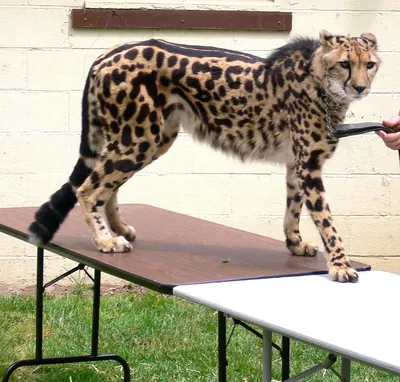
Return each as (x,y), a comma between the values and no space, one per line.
(325,364)
(253,331)
(79,267)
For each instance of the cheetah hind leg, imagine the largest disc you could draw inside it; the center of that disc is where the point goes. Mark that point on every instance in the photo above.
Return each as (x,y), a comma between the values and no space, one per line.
(116,222)
(294,204)
(95,194)
(93,198)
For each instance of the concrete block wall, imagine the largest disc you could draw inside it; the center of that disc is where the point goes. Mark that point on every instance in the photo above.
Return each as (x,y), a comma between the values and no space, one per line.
(43,65)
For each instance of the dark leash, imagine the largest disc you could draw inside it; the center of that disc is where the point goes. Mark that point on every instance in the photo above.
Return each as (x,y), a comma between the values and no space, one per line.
(346,130)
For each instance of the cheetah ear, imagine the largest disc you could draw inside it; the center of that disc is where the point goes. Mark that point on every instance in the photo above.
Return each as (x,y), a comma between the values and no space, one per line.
(325,38)
(370,37)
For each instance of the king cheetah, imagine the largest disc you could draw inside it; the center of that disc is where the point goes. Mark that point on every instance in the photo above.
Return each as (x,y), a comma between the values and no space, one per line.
(279,108)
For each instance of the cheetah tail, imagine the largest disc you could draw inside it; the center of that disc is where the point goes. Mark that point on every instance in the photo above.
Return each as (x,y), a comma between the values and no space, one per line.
(51,214)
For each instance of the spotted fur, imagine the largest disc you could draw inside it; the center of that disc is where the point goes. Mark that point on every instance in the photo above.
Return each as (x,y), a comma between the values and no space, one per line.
(138,95)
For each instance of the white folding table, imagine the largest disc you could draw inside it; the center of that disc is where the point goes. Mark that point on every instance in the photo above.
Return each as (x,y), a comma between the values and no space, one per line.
(359,322)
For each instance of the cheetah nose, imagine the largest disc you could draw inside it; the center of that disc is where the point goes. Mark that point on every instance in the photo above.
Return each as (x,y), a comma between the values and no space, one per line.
(359,88)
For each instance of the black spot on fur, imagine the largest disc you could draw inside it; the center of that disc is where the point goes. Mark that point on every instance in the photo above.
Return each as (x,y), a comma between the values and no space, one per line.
(318,206)
(131,54)
(215,71)
(148,53)
(139,131)
(118,77)
(160,59)
(106,85)
(140,158)
(164,81)
(160,100)
(233,84)
(224,122)
(193,83)
(178,74)
(150,82)
(121,96)
(213,109)
(114,127)
(153,116)
(260,83)
(316,136)
(326,223)
(114,146)
(313,163)
(125,165)
(155,129)
(172,60)
(297,198)
(314,182)
(94,177)
(99,203)
(249,86)
(143,147)
(244,122)
(130,110)
(126,138)
(109,167)
(143,113)
(113,110)
(210,84)
(96,122)
(222,91)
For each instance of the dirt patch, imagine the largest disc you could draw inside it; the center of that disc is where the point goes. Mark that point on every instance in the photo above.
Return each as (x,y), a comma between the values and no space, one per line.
(62,290)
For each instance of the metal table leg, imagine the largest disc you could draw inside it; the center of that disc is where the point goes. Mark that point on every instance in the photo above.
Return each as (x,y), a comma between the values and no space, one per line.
(94,356)
(346,366)
(267,355)
(96,312)
(222,362)
(39,303)
(285,358)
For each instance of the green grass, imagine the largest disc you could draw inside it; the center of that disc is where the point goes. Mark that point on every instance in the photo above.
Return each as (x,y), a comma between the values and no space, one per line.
(162,337)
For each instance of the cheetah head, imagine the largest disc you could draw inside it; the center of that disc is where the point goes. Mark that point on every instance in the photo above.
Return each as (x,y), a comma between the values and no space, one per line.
(346,66)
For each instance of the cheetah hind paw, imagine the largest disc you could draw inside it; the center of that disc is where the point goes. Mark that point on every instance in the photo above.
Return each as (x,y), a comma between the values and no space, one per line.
(303,249)
(114,244)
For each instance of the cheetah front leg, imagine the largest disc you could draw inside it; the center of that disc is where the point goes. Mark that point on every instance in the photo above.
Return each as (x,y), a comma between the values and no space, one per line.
(308,173)
(117,224)
(294,204)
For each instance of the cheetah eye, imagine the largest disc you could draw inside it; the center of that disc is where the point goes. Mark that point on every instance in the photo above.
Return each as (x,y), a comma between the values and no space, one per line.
(370,65)
(344,64)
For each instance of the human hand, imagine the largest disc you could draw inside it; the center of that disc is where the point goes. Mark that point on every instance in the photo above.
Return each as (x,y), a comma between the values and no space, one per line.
(391,140)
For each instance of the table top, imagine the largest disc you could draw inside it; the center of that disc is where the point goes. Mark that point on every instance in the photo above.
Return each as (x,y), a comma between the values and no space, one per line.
(172,249)
(359,321)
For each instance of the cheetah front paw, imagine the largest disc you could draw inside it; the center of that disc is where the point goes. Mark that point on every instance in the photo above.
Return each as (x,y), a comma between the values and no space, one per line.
(302,248)
(114,244)
(343,273)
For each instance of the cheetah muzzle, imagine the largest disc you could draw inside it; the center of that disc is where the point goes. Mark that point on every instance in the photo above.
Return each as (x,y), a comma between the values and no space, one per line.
(137,96)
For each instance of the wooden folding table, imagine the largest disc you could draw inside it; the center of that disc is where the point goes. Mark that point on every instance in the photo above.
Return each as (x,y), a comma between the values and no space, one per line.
(171,249)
